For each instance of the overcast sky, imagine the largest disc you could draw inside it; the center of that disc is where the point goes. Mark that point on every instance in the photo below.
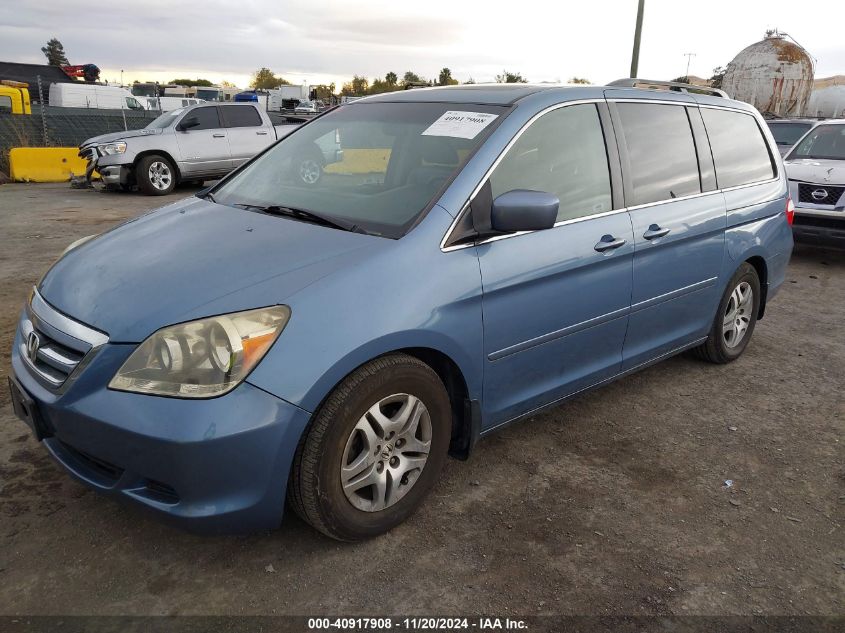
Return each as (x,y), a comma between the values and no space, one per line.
(330,40)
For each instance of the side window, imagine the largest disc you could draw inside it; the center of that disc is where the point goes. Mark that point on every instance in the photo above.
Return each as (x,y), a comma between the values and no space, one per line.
(562,153)
(661,152)
(739,149)
(241,116)
(5,104)
(208,118)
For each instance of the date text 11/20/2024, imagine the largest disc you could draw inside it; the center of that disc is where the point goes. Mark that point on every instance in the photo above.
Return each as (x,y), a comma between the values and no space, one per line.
(417,624)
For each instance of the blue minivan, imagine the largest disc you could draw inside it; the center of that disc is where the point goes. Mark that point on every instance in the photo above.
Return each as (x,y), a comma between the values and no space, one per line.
(478,253)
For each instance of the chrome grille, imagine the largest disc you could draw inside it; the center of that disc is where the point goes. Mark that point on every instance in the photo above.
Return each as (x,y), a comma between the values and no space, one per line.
(824,194)
(53,346)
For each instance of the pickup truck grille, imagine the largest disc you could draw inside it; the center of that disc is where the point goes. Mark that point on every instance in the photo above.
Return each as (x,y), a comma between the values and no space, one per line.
(831,194)
(53,346)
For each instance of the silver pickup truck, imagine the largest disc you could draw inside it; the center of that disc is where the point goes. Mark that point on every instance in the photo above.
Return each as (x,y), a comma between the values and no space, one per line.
(196,143)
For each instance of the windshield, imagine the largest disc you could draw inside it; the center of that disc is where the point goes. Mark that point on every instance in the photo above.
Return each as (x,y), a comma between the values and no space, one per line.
(208,95)
(374,165)
(824,141)
(164,120)
(305,104)
(788,133)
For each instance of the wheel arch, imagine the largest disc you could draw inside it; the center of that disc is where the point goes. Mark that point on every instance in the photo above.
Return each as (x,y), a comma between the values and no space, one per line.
(759,265)
(463,393)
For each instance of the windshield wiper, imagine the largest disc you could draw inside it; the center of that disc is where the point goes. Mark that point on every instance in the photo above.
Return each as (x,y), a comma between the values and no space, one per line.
(303,214)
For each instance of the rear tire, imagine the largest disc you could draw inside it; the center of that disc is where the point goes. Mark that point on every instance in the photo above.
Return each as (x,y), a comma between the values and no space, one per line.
(735,318)
(155,175)
(374,449)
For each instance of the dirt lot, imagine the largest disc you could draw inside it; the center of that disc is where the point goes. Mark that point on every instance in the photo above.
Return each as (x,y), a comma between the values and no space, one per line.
(613,503)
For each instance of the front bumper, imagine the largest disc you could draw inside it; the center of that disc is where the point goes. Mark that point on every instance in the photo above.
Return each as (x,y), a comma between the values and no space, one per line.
(219,465)
(820,230)
(111,172)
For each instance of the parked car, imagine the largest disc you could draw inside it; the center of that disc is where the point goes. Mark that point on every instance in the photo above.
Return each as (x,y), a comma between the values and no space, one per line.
(81,95)
(485,252)
(306,107)
(787,132)
(200,142)
(816,171)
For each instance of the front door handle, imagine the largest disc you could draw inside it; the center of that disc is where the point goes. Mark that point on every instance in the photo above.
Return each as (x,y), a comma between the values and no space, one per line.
(219,135)
(609,243)
(654,231)
(262,133)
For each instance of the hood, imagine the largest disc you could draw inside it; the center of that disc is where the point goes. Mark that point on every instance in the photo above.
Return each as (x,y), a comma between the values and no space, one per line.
(194,259)
(819,171)
(119,136)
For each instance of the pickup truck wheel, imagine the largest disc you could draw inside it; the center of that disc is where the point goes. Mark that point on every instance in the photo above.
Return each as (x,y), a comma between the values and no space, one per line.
(310,168)
(374,449)
(735,318)
(155,175)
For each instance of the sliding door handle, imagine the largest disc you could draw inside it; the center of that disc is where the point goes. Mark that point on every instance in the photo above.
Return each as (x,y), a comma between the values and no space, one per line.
(609,243)
(654,231)
(219,135)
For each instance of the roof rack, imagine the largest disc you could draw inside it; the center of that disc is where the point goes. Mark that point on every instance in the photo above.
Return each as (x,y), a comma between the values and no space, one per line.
(676,86)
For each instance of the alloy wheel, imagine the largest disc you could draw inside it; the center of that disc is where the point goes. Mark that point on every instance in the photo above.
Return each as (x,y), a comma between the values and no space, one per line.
(737,315)
(160,175)
(386,452)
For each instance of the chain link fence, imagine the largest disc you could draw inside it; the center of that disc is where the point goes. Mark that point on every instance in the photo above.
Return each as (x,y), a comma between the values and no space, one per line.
(63,127)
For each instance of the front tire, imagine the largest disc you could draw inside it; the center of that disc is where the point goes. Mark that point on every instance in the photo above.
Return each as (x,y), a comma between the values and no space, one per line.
(735,319)
(374,449)
(155,175)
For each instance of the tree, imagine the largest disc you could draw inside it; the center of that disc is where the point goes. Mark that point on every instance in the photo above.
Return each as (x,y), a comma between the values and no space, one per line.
(510,78)
(323,92)
(411,78)
(391,79)
(683,79)
(264,79)
(227,84)
(55,53)
(445,78)
(580,80)
(718,76)
(358,87)
(202,83)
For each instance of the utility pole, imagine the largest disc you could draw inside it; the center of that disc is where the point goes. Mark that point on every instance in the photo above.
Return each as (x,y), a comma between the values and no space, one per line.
(689,57)
(635,56)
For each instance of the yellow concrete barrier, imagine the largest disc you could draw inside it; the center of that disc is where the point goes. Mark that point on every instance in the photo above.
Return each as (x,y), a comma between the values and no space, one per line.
(45,164)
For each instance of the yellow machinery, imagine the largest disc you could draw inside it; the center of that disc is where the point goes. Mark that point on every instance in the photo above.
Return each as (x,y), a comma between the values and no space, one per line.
(14,97)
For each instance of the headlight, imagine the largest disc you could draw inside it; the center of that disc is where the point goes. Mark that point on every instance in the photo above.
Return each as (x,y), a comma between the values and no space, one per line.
(112,148)
(204,358)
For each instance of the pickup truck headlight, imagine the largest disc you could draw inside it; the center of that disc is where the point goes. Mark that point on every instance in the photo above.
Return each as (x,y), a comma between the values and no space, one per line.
(204,358)
(112,148)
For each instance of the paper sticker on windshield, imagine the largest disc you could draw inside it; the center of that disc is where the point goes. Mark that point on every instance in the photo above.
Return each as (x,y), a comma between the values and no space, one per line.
(460,124)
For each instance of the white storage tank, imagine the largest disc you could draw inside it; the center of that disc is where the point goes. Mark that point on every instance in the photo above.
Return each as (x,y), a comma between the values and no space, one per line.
(774,75)
(828,98)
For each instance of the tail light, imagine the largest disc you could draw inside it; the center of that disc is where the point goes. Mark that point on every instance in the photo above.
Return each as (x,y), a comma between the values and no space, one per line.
(790,210)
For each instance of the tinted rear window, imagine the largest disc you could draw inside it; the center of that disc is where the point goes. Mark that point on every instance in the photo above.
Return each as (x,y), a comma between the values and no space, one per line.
(788,133)
(241,116)
(661,152)
(739,149)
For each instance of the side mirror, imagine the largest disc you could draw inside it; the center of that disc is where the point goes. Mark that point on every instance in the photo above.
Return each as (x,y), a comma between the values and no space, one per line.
(524,210)
(187,123)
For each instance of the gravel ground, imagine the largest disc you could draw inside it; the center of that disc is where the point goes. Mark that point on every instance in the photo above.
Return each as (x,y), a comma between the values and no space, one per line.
(613,503)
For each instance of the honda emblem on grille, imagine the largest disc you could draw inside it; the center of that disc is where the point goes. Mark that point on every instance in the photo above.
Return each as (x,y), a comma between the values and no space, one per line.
(32,345)
(819,194)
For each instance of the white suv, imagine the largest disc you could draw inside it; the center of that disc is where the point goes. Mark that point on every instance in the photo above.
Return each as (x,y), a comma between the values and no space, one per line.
(815,168)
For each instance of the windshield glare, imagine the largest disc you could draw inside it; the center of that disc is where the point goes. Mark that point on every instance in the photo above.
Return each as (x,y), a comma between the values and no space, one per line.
(825,141)
(369,164)
(788,133)
(164,120)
